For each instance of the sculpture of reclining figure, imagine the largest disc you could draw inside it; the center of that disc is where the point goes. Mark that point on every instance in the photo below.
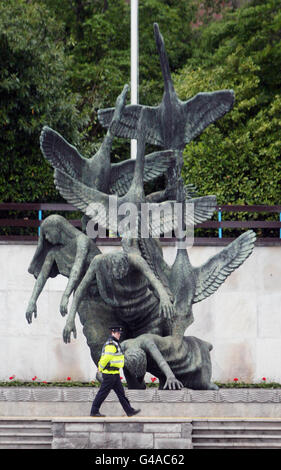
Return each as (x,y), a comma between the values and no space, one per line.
(177,362)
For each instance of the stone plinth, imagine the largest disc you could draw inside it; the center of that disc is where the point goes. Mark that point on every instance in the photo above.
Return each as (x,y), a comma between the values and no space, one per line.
(76,402)
(121,433)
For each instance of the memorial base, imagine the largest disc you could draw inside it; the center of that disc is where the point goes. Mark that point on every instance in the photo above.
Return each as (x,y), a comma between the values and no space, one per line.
(76,401)
(185,419)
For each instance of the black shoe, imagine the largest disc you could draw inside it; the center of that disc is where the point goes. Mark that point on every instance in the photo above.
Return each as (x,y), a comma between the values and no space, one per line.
(133,412)
(98,415)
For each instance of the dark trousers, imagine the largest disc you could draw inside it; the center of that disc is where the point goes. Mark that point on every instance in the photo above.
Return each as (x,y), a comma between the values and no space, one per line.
(111,382)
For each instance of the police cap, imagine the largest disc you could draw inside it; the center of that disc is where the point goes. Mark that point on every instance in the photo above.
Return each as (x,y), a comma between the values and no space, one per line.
(117,329)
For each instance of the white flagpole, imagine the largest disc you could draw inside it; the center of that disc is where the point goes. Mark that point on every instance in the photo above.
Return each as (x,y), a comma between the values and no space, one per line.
(134,64)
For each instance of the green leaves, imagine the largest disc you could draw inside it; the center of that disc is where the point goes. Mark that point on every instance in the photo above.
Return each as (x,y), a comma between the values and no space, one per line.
(238,158)
(33,92)
(61,61)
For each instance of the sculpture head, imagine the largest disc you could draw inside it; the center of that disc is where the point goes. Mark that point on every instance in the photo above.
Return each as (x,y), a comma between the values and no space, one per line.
(52,234)
(54,230)
(117,264)
(135,362)
(54,227)
(135,359)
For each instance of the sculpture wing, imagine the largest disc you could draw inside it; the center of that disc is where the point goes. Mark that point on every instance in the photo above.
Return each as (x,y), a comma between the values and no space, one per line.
(61,154)
(190,190)
(162,219)
(200,209)
(156,164)
(164,216)
(204,109)
(213,273)
(91,202)
(127,124)
(170,193)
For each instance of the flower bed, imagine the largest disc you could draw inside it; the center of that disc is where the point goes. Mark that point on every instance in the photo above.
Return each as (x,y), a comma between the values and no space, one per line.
(35,382)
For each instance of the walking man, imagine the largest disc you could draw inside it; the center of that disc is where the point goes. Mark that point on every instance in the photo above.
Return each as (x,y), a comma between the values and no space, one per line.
(110,363)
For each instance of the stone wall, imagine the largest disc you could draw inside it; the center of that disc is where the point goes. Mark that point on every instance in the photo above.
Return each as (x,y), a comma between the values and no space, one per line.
(74,402)
(110,433)
(242,320)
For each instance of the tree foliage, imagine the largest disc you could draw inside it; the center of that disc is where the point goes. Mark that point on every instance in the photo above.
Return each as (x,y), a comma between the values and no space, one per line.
(239,157)
(61,61)
(97,36)
(33,92)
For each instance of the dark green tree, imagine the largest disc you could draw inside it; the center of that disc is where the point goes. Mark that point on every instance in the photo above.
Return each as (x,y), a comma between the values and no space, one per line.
(239,157)
(97,37)
(34,91)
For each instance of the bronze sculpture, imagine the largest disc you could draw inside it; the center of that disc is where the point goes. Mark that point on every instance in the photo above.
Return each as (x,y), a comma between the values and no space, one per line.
(150,299)
(98,172)
(177,362)
(173,123)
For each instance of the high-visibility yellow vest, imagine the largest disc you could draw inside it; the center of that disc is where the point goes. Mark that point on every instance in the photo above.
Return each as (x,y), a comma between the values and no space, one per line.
(112,357)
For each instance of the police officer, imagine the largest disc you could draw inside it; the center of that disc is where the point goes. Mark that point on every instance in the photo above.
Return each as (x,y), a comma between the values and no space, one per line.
(110,363)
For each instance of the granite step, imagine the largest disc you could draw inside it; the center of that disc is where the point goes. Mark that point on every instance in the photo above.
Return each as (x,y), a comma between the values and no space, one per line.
(25,445)
(25,434)
(239,434)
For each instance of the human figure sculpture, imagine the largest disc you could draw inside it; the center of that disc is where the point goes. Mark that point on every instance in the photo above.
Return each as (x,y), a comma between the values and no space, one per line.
(177,361)
(124,288)
(126,283)
(135,287)
(139,306)
(139,309)
(58,240)
(63,249)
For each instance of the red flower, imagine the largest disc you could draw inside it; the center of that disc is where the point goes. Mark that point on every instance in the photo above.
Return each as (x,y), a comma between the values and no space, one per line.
(235,379)
(264,379)
(12,377)
(121,378)
(68,378)
(34,378)
(153,379)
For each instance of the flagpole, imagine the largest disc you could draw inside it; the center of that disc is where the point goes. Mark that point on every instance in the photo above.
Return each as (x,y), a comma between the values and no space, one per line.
(134,64)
